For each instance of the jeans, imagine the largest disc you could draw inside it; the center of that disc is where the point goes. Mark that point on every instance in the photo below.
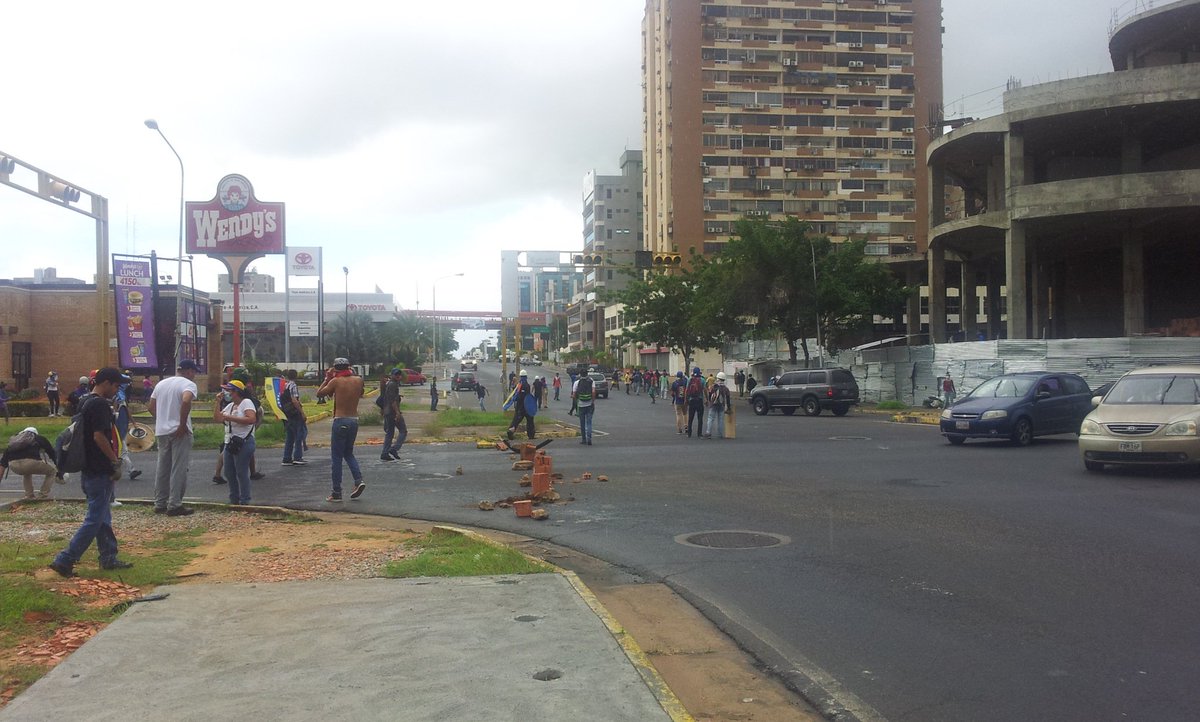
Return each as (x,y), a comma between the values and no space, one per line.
(394,426)
(695,418)
(341,446)
(481,404)
(97,524)
(716,422)
(556,390)
(170,475)
(293,443)
(585,422)
(237,472)
(433,399)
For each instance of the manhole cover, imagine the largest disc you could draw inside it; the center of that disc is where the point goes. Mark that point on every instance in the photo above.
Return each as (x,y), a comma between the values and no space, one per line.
(849,438)
(732,539)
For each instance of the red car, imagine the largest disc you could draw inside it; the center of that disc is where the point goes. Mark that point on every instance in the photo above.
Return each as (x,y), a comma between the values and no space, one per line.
(409,377)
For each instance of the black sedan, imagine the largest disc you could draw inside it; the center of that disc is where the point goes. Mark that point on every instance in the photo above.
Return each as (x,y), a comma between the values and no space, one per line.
(1018,407)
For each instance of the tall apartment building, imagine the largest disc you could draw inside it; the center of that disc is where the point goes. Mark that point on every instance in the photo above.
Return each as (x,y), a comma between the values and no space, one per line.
(612,228)
(817,109)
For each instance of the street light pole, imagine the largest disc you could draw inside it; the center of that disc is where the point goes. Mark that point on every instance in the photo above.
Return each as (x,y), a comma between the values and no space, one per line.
(153,125)
(820,348)
(436,353)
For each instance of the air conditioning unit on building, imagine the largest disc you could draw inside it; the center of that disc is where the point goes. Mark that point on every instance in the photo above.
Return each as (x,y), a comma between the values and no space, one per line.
(906,151)
(712,229)
(856,46)
(789,61)
(869,152)
(856,63)
(909,131)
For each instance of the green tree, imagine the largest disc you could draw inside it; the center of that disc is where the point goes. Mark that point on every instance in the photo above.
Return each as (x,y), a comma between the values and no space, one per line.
(768,274)
(680,310)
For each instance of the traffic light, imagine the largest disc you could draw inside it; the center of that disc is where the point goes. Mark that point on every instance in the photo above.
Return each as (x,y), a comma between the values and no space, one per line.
(588,259)
(58,190)
(642,259)
(667,260)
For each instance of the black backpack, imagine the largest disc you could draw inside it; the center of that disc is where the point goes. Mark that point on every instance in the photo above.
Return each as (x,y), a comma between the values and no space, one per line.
(69,452)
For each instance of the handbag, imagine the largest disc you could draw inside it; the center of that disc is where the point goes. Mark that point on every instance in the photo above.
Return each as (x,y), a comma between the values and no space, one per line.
(235,444)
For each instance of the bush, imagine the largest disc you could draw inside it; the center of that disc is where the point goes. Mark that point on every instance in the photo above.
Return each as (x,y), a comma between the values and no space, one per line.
(892,406)
(37,407)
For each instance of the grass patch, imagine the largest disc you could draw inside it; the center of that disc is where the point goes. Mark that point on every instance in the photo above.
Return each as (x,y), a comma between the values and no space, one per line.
(178,540)
(892,406)
(454,555)
(46,426)
(434,427)
(472,417)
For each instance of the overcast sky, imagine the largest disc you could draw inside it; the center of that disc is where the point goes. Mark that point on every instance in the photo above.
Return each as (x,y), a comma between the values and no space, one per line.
(410,140)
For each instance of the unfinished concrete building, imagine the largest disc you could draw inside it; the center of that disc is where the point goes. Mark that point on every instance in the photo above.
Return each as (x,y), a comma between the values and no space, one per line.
(1081,202)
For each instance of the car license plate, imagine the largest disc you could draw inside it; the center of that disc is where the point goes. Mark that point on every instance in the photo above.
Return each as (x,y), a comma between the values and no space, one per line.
(1134,446)
(962,424)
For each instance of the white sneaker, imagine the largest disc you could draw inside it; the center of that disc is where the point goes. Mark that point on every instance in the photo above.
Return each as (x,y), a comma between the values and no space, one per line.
(117,503)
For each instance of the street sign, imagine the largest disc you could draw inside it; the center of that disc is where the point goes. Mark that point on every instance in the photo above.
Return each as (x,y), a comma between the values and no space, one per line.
(539,329)
(302,328)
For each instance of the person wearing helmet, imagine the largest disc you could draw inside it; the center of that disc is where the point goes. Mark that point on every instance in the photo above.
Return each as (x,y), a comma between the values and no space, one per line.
(29,453)
(77,396)
(524,406)
(679,401)
(718,406)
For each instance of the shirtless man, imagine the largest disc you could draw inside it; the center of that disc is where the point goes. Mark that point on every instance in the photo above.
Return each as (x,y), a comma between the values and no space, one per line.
(346,389)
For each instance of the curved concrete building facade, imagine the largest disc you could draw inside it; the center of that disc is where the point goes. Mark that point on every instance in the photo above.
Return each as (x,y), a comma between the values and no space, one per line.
(1078,208)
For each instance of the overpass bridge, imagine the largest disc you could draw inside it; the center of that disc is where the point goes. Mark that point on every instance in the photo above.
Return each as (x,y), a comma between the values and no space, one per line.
(481,320)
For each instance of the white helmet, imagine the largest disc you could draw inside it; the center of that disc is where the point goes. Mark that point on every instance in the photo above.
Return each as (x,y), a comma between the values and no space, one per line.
(720,376)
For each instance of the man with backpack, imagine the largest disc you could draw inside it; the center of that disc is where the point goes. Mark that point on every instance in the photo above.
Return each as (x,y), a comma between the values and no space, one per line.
(695,404)
(718,405)
(481,392)
(294,421)
(678,392)
(30,453)
(171,407)
(523,406)
(581,395)
(96,433)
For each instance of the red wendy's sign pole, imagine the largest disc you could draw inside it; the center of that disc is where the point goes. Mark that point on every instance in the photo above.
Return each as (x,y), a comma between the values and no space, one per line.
(235,228)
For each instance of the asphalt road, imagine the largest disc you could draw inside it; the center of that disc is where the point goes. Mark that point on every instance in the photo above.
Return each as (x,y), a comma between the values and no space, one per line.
(912,580)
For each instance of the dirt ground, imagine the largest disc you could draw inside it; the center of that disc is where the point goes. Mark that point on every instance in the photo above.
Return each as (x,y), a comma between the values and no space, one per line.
(712,677)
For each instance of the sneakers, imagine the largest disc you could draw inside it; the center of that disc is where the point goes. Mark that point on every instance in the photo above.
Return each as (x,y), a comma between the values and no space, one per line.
(337,498)
(359,488)
(395,455)
(259,475)
(299,462)
(117,564)
(219,480)
(64,570)
(160,511)
(510,434)
(386,457)
(181,511)
(285,462)
(135,474)
(116,503)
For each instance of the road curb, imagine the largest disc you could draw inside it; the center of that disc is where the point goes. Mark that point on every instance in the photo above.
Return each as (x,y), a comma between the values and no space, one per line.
(650,676)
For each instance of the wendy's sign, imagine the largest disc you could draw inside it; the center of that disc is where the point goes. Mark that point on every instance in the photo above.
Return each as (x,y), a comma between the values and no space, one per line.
(235,223)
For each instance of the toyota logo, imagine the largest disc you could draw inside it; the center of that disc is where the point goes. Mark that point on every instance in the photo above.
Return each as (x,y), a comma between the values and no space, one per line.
(304,258)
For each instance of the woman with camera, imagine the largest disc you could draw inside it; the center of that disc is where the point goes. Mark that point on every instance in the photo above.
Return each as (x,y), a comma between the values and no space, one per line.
(239,417)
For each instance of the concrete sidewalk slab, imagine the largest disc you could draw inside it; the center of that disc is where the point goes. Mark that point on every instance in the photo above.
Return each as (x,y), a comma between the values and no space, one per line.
(407,649)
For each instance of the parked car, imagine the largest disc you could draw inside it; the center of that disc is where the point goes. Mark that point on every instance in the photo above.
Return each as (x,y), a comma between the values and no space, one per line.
(599,384)
(409,377)
(1018,407)
(813,390)
(1148,418)
(463,380)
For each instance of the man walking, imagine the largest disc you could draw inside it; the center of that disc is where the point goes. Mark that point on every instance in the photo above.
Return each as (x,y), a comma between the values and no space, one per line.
(739,379)
(481,393)
(121,410)
(695,402)
(678,389)
(433,394)
(718,402)
(171,407)
(100,469)
(581,394)
(394,426)
(51,387)
(346,389)
(557,383)
(521,401)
